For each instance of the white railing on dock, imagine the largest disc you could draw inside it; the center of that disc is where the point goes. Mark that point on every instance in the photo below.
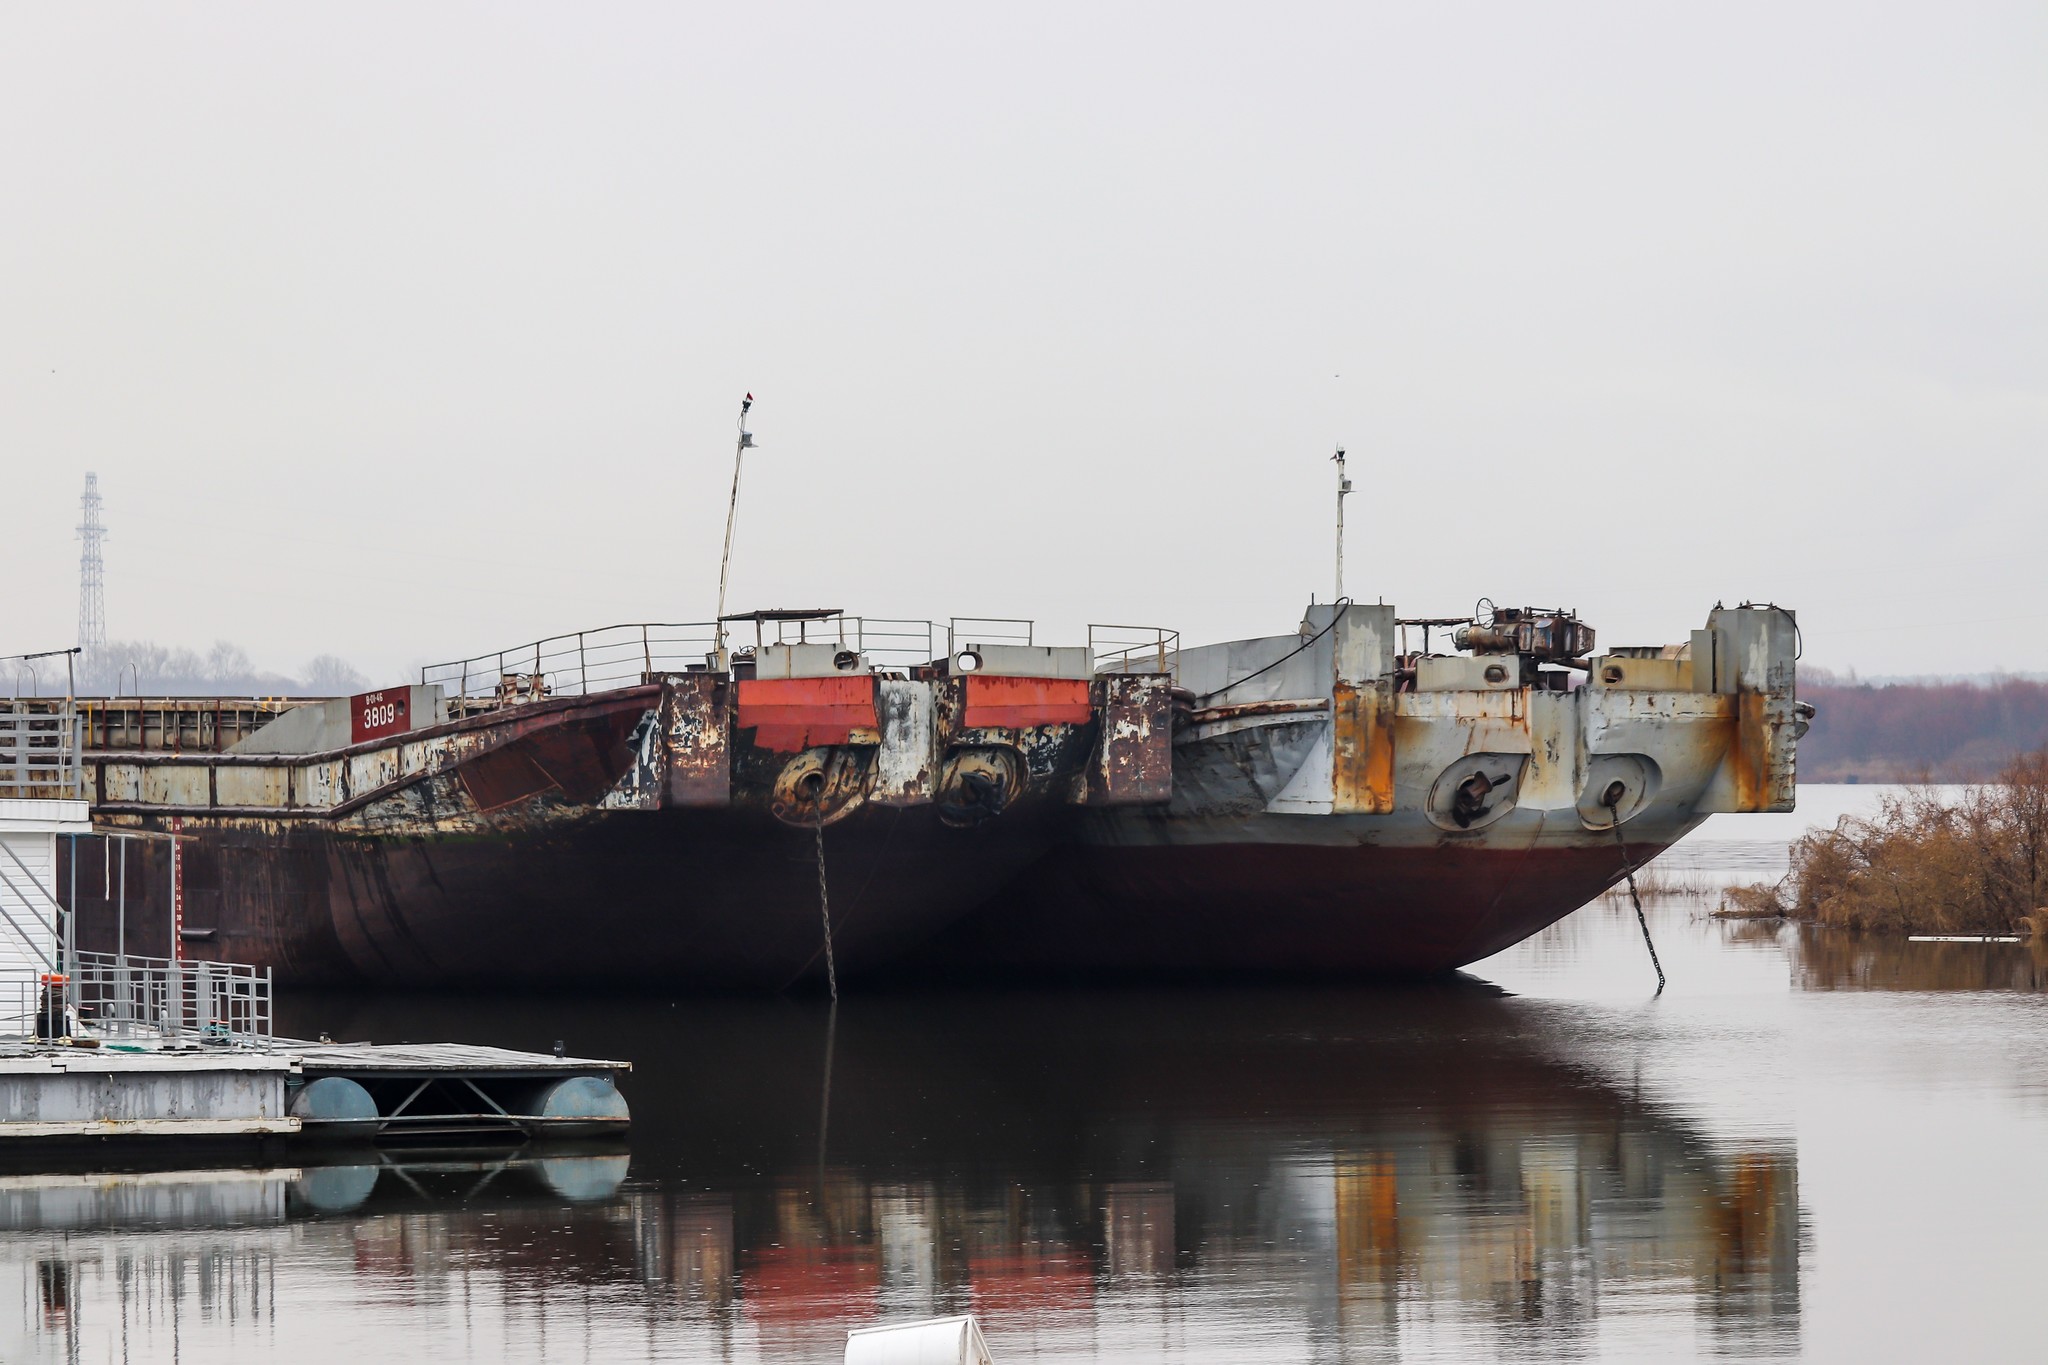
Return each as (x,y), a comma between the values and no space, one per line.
(20,996)
(39,748)
(144,999)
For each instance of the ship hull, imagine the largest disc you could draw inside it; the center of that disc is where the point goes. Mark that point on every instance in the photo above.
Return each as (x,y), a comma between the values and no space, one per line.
(592,841)
(697,900)
(1337,811)
(722,900)
(686,899)
(1269,897)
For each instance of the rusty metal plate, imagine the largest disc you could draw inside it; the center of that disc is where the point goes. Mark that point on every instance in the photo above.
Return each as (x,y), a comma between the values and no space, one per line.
(696,751)
(1362,750)
(1134,756)
(503,777)
(583,758)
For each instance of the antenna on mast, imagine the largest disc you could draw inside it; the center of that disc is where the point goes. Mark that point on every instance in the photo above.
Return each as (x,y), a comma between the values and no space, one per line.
(1343,489)
(746,442)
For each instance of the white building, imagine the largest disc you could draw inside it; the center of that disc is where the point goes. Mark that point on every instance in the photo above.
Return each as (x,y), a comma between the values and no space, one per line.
(30,896)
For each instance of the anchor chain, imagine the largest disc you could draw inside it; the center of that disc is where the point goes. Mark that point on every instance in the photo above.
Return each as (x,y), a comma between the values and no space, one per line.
(825,908)
(1613,804)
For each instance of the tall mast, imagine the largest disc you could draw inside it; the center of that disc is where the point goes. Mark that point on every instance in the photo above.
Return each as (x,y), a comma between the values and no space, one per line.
(746,440)
(1343,488)
(92,604)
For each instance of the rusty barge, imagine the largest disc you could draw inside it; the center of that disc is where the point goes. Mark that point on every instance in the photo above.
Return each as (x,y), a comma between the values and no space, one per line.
(615,807)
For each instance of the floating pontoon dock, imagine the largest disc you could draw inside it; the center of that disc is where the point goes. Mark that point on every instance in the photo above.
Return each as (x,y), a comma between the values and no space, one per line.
(314,1091)
(116,1045)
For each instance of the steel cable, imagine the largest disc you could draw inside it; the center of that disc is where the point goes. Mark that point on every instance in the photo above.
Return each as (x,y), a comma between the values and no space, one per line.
(825,907)
(1343,605)
(1629,872)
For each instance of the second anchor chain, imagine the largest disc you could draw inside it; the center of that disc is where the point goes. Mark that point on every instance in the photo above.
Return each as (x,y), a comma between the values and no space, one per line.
(1613,804)
(825,910)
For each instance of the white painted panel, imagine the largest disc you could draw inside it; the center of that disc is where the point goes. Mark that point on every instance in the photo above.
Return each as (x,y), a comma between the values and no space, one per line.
(1365,643)
(906,765)
(1557,753)
(27,943)
(1313,787)
(1029,661)
(806,659)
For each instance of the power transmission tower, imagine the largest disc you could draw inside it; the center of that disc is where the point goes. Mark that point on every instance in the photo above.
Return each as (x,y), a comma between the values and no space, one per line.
(92,602)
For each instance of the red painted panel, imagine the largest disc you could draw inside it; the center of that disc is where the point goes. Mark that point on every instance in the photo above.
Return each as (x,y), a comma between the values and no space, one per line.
(1019,702)
(787,714)
(373,715)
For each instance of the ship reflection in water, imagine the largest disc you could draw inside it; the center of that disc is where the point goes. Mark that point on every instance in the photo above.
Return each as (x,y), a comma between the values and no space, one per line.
(1177,1175)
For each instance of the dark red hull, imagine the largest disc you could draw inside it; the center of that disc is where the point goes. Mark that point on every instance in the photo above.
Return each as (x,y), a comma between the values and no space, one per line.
(1279,909)
(717,899)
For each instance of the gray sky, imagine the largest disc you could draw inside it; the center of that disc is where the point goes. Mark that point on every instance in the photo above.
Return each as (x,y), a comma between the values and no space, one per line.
(408,331)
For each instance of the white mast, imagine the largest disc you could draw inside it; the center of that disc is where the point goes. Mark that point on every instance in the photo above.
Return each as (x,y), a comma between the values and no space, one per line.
(1343,487)
(746,441)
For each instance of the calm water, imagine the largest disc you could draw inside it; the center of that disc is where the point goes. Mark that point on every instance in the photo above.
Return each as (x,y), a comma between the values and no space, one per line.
(1808,1147)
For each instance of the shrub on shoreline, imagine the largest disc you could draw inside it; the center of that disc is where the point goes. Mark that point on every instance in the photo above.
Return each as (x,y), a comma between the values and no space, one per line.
(1928,861)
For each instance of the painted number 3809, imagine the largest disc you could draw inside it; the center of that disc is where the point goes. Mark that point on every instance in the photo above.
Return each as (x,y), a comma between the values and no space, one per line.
(373,715)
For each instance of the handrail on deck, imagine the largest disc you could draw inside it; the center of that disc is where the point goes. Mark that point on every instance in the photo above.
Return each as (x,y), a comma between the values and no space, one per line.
(123,996)
(39,743)
(628,654)
(1134,649)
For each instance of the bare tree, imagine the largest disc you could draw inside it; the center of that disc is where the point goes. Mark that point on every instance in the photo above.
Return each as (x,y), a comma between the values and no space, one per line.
(143,667)
(331,675)
(227,664)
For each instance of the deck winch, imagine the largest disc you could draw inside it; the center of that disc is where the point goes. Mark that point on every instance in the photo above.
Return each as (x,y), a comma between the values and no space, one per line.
(1547,636)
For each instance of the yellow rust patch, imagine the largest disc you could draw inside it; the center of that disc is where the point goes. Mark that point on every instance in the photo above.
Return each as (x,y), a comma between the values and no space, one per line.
(1748,757)
(1362,756)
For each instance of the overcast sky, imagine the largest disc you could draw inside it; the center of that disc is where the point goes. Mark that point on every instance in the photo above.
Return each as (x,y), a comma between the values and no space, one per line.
(404,332)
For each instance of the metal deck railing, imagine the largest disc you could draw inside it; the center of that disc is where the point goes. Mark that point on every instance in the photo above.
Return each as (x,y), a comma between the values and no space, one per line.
(574,665)
(1134,649)
(962,631)
(625,655)
(39,741)
(145,999)
(886,641)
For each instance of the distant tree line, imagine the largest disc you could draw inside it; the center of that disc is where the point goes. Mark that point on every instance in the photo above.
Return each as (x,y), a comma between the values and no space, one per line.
(146,668)
(1948,731)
